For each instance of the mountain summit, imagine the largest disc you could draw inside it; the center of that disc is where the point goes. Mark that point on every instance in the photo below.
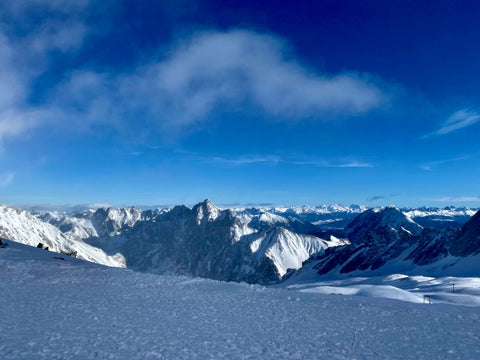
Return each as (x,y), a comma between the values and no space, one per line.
(374,219)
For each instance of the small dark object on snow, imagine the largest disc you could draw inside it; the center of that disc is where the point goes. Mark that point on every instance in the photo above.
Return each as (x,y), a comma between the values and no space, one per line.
(40,246)
(59,258)
(72,254)
(2,244)
(46,248)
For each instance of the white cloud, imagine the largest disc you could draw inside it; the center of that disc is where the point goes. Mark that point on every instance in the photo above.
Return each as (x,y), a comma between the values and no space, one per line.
(6,178)
(460,119)
(218,69)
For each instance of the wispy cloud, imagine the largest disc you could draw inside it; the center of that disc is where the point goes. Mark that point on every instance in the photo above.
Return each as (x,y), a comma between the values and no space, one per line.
(457,198)
(332,164)
(458,120)
(274,160)
(433,164)
(24,58)
(6,178)
(246,160)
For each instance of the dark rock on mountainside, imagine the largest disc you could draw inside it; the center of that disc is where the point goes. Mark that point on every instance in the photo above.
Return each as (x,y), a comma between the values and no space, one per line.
(203,241)
(386,236)
(376,248)
(468,241)
(374,219)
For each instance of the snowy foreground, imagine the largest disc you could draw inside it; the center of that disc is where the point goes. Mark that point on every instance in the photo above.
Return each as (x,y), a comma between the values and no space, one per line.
(69,309)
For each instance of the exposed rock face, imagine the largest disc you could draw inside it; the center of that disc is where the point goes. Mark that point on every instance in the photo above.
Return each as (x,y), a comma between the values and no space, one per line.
(374,219)
(374,245)
(203,241)
(468,241)
(432,245)
(377,248)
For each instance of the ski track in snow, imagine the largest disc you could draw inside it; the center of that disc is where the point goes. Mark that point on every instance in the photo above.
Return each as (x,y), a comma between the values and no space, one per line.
(70,309)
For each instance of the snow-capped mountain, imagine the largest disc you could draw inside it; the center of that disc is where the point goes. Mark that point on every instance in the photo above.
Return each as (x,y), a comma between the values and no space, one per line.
(21,226)
(260,219)
(307,219)
(254,245)
(89,223)
(387,241)
(440,218)
(379,218)
(207,241)
(315,220)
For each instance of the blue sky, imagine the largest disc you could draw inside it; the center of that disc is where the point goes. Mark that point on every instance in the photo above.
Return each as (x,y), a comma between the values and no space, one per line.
(167,102)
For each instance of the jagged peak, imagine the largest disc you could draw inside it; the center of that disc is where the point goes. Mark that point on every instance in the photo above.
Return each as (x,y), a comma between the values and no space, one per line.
(206,210)
(208,204)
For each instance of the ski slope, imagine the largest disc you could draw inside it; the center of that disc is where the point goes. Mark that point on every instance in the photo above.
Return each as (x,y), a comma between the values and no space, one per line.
(65,308)
(448,290)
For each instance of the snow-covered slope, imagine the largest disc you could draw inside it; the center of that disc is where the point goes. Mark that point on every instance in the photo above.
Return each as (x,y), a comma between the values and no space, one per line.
(286,249)
(417,289)
(69,309)
(21,226)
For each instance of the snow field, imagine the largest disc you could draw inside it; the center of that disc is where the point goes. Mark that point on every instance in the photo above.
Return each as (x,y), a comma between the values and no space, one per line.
(465,291)
(70,309)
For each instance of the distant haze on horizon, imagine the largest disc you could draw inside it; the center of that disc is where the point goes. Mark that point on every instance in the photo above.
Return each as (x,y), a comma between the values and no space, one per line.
(81,207)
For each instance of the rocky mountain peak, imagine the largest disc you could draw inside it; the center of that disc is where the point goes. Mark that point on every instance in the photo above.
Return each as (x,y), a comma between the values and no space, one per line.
(207,211)
(374,219)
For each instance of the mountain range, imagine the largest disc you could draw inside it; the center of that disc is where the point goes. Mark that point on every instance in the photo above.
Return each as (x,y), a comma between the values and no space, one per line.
(256,245)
